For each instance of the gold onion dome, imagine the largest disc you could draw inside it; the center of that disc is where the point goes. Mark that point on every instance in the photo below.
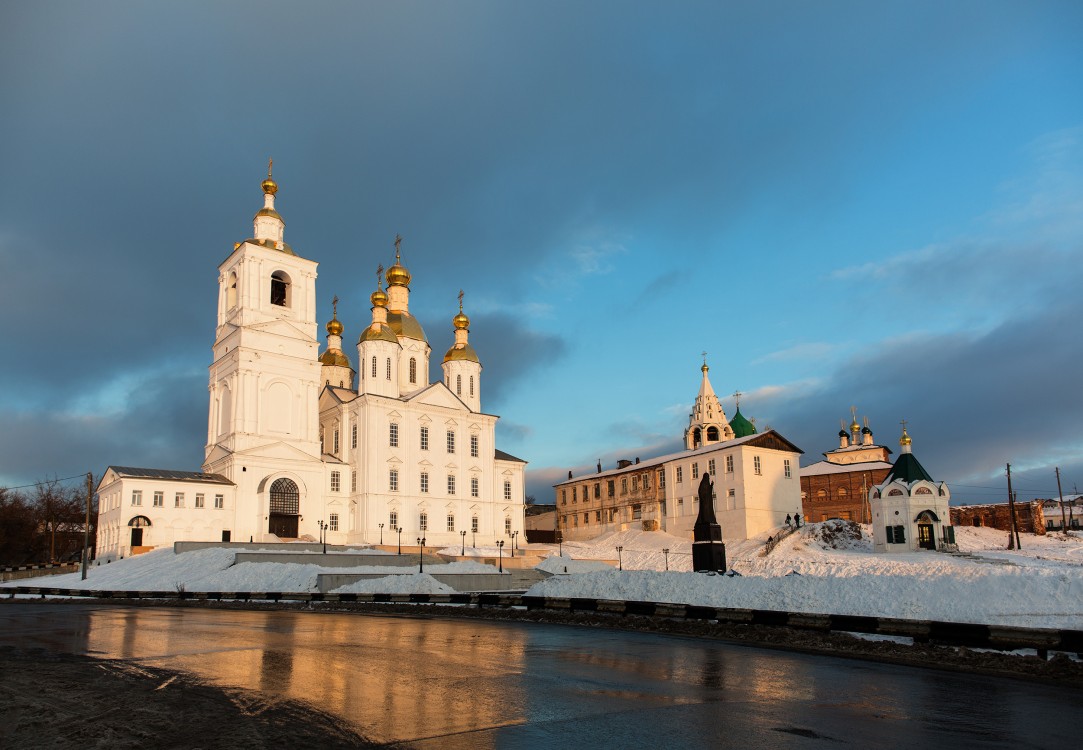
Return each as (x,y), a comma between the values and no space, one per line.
(379,298)
(397,275)
(905,439)
(460,321)
(270,187)
(334,327)
(334,358)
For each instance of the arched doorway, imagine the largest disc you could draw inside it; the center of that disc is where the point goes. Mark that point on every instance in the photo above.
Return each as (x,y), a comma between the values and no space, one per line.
(137,524)
(926,535)
(284,507)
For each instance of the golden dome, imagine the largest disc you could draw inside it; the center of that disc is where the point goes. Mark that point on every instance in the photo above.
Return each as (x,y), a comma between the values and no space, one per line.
(379,332)
(397,275)
(334,358)
(334,327)
(406,325)
(905,439)
(460,321)
(464,352)
(270,187)
(379,298)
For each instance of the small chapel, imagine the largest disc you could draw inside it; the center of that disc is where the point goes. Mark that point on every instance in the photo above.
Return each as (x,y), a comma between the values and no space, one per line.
(300,444)
(909,508)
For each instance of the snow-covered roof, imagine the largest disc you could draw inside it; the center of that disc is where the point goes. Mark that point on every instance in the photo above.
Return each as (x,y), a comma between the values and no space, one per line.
(169,474)
(821,468)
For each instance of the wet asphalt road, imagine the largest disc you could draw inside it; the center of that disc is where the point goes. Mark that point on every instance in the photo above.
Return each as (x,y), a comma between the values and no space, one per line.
(438,683)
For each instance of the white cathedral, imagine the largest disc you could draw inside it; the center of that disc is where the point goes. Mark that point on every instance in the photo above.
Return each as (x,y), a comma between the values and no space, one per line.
(294,449)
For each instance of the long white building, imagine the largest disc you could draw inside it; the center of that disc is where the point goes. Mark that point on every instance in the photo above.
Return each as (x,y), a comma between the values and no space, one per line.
(292,442)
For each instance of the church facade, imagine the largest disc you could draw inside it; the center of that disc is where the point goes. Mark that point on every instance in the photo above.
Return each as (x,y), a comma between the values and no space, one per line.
(295,448)
(755,478)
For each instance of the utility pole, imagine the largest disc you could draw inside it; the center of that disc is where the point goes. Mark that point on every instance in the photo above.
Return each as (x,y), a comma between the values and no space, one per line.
(1063,517)
(86,526)
(1011,511)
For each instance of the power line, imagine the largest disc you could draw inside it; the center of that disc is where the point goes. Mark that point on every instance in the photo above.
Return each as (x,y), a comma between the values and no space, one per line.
(44,481)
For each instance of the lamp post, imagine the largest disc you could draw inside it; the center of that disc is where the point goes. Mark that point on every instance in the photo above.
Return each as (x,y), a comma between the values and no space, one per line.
(463,535)
(665,552)
(513,535)
(399,529)
(421,555)
(381,535)
(473,537)
(500,552)
(620,561)
(323,538)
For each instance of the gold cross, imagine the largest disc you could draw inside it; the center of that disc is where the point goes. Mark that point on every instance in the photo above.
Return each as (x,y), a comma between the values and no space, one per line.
(380,275)
(270,163)
(704,357)
(460,300)
(398,242)
(334,307)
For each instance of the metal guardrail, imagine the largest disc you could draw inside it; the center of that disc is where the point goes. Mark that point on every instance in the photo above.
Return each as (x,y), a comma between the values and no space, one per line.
(999,637)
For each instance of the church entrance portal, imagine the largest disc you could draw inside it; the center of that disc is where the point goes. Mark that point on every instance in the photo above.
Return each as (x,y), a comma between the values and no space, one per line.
(137,524)
(137,537)
(925,536)
(284,507)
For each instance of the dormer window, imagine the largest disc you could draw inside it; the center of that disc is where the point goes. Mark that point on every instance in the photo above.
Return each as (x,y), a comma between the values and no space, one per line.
(280,289)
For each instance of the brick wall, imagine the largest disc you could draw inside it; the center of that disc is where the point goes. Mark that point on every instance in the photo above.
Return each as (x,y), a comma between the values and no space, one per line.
(821,497)
(1029,517)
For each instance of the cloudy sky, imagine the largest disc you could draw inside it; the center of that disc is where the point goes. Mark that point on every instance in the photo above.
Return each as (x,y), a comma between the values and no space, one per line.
(842,203)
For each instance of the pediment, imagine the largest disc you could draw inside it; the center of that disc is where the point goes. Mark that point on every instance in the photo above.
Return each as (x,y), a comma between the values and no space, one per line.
(277,450)
(438,395)
(280,327)
(217,454)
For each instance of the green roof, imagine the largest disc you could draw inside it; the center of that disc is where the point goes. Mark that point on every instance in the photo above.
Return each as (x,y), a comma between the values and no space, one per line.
(908,469)
(741,427)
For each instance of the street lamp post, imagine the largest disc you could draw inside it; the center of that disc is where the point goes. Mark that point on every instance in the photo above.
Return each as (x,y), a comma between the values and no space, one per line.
(421,555)
(463,535)
(323,538)
(620,561)
(381,535)
(500,552)
(473,537)
(666,553)
(513,535)
(399,529)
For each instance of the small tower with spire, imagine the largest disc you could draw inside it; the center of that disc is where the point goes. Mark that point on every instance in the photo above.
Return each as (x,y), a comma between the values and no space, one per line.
(462,368)
(336,367)
(378,349)
(413,367)
(707,423)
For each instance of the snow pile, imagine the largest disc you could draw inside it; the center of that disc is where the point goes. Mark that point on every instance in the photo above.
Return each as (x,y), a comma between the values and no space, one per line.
(414,583)
(839,534)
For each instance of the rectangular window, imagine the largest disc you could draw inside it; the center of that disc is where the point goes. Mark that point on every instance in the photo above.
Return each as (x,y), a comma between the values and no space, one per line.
(178,501)
(451,441)
(575,495)
(637,512)
(680,475)
(635,484)
(393,520)
(710,467)
(332,522)
(507,490)
(695,471)
(563,497)
(756,465)
(424,438)
(335,442)
(137,497)
(624,485)
(661,479)
(199,499)
(474,446)
(729,464)
(786,467)
(336,481)
(225,535)
(507,525)
(586,518)
(450,522)
(474,524)
(393,480)
(474,490)
(423,522)
(219,502)
(424,481)
(353,436)
(598,516)
(451,484)
(393,430)
(609,486)
(597,490)
(896,535)
(731,499)
(353,481)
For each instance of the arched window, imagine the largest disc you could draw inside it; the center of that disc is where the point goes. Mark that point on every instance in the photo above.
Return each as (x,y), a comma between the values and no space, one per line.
(471,385)
(285,499)
(389,368)
(459,385)
(413,370)
(696,437)
(280,289)
(895,493)
(821,493)
(231,291)
(712,434)
(923,491)
(842,492)
(374,367)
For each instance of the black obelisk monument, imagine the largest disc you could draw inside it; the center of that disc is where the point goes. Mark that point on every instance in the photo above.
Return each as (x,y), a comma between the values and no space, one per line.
(708,551)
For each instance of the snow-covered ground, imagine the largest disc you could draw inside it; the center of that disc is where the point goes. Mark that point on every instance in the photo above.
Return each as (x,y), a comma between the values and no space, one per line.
(1038,586)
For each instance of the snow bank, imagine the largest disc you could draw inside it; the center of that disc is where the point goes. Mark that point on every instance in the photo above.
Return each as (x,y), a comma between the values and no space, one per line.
(557,564)
(414,583)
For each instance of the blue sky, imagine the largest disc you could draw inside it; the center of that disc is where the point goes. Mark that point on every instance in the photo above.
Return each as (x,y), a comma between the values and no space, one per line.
(878,204)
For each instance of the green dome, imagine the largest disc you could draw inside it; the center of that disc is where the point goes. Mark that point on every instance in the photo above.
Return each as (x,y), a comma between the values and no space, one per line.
(741,427)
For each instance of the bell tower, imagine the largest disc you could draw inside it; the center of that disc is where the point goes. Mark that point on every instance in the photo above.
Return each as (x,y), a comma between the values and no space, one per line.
(265,377)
